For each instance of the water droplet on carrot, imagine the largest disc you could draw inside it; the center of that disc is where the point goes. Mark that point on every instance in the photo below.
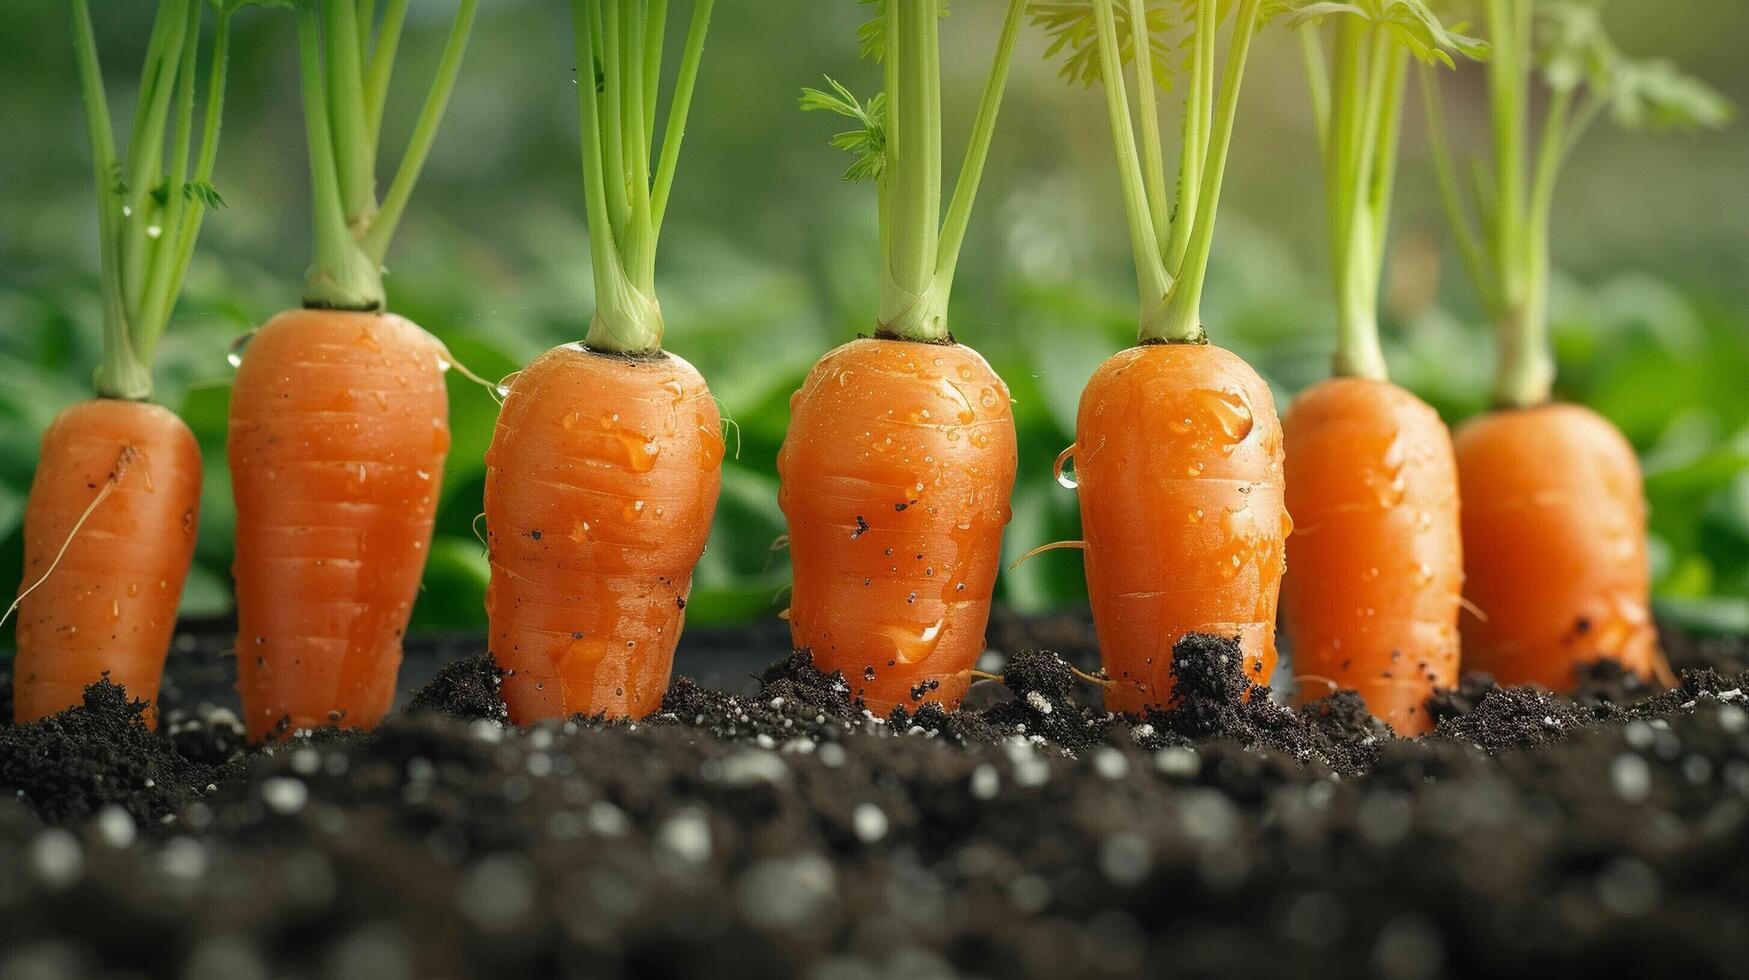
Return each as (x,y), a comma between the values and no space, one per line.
(633,510)
(1194,468)
(1229,412)
(1195,516)
(368,341)
(1064,468)
(234,354)
(133,589)
(915,647)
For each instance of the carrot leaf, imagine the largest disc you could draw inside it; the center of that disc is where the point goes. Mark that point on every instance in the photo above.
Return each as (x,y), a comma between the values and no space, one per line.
(868,143)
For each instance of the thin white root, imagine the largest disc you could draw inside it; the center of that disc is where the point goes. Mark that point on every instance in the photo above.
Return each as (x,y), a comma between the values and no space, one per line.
(476,526)
(1327,682)
(1472,609)
(497,389)
(1094,679)
(122,460)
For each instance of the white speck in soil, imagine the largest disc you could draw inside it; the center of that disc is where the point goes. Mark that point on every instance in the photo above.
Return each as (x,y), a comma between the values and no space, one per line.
(184,858)
(1039,702)
(1111,764)
(607,820)
(56,859)
(788,893)
(1733,719)
(1175,760)
(831,755)
(986,782)
(1628,887)
(284,795)
(306,761)
(686,835)
(1631,777)
(497,893)
(751,766)
(114,827)
(1125,858)
(869,822)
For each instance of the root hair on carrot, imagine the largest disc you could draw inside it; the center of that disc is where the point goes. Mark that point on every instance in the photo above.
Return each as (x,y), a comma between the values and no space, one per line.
(1053,546)
(122,460)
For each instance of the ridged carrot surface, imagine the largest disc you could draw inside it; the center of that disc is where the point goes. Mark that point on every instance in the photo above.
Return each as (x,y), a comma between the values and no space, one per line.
(600,487)
(1178,461)
(110,605)
(339,427)
(896,474)
(1555,561)
(1375,562)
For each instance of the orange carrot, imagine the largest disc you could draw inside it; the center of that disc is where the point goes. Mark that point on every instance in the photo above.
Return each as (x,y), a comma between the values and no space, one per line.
(1178,461)
(900,456)
(109,606)
(1375,563)
(109,527)
(1554,525)
(1177,451)
(339,428)
(600,486)
(604,469)
(895,479)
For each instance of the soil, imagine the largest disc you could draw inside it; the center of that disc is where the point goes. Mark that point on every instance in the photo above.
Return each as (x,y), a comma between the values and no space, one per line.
(762,825)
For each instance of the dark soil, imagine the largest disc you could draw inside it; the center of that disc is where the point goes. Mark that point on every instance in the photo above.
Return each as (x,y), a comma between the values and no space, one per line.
(762,825)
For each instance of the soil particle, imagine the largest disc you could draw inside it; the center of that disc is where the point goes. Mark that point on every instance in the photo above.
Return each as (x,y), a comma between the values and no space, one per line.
(466,689)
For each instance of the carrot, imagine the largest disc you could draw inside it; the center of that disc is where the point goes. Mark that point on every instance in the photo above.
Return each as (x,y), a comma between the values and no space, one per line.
(895,478)
(339,420)
(1177,452)
(1178,461)
(900,455)
(339,427)
(1375,563)
(1554,525)
(110,523)
(606,463)
(1554,518)
(1375,566)
(108,606)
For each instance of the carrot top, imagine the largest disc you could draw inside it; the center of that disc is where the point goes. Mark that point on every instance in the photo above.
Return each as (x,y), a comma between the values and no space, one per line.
(898,146)
(1357,100)
(345,86)
(147,218)
(1505,250)
(619,58)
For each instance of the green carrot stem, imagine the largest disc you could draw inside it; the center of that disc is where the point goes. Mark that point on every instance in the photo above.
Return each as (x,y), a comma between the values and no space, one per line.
(375,240)
(915,178)
(1153,160)
(382,66)
(965,188)
(195,211)
(1470,245)
(1152,279)
(354,151)
(1182,321)
(146,145)
(342,276)
(674,131)
(1193,152)
(167,221)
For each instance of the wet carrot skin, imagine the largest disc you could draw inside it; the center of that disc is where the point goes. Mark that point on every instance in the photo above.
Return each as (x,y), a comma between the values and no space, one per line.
(1178,462)
(338,431)
(896,475)
(1375,562)
(110,606)
(1554,525)
(601,483)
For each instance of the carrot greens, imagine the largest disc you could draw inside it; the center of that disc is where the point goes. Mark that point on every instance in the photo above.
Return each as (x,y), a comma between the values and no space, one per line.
(1357,100)
(619,56)
(148,216)
(898,146)
(345,73)
(1505,247)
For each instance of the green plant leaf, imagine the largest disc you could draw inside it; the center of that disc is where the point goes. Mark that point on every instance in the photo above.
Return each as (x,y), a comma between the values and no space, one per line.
(1654,94)
(869,143)
(871,36)
(1074,36)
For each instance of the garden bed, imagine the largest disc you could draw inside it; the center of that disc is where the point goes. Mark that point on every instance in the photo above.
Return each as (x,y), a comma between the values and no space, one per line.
(767,827)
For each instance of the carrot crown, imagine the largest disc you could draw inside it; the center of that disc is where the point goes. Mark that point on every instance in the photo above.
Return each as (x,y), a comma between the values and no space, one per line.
(345,86)
(147,218)
(898,146)
(1357,101)
(1505,249)
(1170,236)
(619,60)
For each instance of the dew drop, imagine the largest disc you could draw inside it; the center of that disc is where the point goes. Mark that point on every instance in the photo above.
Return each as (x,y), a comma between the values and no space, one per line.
(234,354)
(1064,468)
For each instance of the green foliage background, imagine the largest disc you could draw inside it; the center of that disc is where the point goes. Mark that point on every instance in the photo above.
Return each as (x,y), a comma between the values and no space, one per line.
(769,259)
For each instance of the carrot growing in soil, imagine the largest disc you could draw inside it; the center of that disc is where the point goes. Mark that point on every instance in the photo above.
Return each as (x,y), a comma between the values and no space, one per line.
(607,459)
(1375,562)
(1177,455)
(339,420)
(900,455)
(110,524)
(1554,516)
